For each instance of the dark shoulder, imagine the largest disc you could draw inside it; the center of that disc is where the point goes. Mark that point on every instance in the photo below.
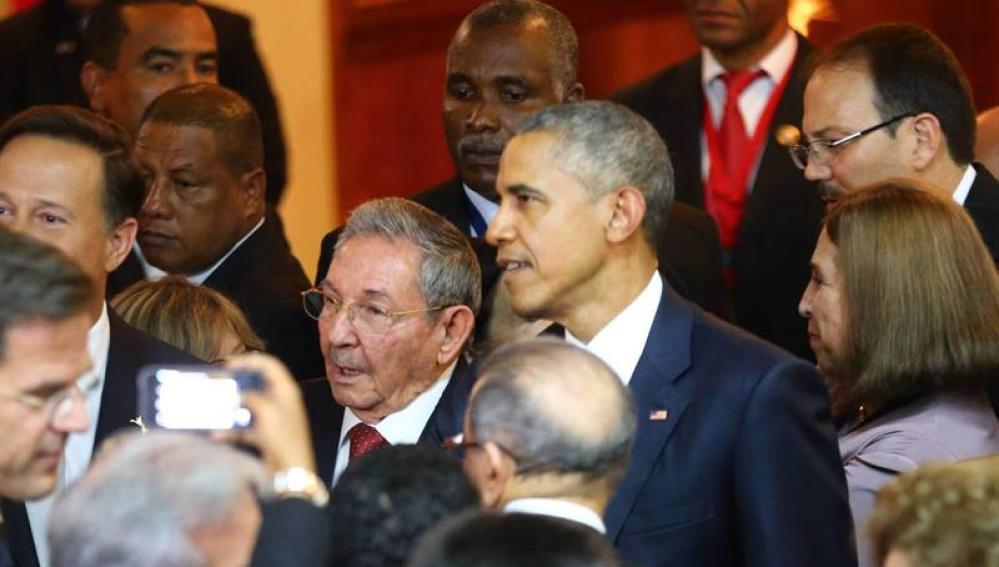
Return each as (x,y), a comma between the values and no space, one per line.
(655,88)
(721,346)
(226,19)
(142,346)
(439,195)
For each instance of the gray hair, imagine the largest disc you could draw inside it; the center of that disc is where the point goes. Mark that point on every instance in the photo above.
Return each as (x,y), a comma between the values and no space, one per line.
(564,42)
(449,271)
(606,146)
(512,407)
(141,499)
(37,282)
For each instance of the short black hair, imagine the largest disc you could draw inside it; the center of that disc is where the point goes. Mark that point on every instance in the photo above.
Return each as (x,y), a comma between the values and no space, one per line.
(514,540)
(228,116)
(565,43)
(105,29)
(123,189)
(389,498)
(912,71)
(37,282)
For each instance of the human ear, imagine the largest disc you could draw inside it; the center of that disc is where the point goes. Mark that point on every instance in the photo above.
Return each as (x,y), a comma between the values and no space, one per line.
(456,324)
(119,243)
(929,140)
(627,214)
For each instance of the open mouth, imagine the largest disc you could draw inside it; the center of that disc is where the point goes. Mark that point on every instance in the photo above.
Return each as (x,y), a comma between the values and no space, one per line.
(508,265)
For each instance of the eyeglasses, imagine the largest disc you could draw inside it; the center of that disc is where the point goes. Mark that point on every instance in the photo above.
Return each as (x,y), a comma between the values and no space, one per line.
(458,445)
(366,318)
(58,405)
(822,150)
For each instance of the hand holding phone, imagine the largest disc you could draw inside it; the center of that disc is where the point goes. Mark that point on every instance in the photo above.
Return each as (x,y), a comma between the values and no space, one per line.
(196,398)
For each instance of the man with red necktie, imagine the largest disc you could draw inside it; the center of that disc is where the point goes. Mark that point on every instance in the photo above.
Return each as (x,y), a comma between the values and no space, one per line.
(718,112)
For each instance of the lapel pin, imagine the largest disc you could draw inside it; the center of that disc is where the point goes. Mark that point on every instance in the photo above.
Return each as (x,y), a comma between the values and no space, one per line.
(658,415)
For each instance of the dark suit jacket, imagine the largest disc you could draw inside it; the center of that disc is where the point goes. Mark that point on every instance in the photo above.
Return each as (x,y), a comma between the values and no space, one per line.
(744,468)
(266,281)
(982,205)
(783,212)
(293,533)
(130,349)
(40,63)
(689,248)
(326,417)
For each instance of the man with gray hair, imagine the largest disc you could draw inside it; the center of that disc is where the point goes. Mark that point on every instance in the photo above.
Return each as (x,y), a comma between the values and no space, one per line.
(531,448)
(735,459)
(162,498)
(43,350)
(394,310)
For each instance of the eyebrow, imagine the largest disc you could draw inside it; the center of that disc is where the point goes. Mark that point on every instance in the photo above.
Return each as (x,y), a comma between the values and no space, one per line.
(512,80)
(45,203)
(161,51)
(524,189)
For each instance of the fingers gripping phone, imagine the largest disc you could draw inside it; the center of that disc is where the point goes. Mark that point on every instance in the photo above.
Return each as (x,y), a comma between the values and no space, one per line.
(195,398)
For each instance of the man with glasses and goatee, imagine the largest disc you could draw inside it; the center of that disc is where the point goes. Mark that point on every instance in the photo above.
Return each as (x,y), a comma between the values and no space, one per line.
(394,310)
(892,101)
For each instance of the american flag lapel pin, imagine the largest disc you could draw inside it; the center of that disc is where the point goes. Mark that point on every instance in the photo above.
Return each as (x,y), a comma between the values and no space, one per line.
(658,415)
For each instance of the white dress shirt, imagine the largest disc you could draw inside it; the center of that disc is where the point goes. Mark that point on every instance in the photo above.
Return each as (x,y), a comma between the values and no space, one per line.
(153,273)
(964,187)
(557,509)
(486,208)
(621,342)
(79,446)
(753,101)
(403,427)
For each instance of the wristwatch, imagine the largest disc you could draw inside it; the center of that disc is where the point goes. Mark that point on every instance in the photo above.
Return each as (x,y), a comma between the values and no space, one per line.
(298,482)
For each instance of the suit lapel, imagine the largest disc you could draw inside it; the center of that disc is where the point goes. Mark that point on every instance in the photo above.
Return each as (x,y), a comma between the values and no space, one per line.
(660,403)
(325,421)
(119,398)
(982,205)
(448,416)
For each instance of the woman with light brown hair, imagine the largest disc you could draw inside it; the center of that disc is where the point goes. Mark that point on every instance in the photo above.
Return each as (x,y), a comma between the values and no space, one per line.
(193,318)
(903,317)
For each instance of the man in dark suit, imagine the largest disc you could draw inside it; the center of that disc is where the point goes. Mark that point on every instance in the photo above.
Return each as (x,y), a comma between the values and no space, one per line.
(66,178)
(768,215)
(395,310)
(41,57)
(200,150)
(892,101)
(508,59)
(735,460)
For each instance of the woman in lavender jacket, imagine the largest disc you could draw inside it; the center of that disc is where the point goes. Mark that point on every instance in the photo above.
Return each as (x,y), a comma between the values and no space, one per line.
(903,316)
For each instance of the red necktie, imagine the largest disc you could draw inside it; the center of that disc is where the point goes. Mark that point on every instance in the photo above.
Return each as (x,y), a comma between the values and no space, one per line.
(727,181)
(364,439)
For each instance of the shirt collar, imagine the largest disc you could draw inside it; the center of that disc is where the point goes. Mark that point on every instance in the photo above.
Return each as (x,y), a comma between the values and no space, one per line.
(154,273)
(485,207)
(405,426)
(557,509)
(964,187)
(776,63)
(621,342)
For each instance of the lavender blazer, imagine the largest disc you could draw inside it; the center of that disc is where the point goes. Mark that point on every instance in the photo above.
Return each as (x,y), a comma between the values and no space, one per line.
(940,427)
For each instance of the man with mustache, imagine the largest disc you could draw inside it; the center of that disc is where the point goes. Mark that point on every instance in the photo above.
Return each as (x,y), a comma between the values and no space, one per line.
(507,60)
(200,150)
(893,101)
(728,161)
(395,310)
(66,179)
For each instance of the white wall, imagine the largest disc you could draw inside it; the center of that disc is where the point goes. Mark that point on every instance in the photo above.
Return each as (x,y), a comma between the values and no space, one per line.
(293,38)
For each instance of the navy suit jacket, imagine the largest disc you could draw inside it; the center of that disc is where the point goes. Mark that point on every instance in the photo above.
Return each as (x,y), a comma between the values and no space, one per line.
(130,349)
(326,417)
(744,469)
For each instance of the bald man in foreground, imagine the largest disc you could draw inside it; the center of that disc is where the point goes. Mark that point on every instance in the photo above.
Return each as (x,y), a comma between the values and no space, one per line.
(530,448)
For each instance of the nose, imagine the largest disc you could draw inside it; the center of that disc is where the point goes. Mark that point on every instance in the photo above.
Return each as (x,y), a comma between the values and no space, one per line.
(816,171)
(189,75)
(155,203)
(483,118)
(805,305)
(74,418)
(340,330)
(500,228)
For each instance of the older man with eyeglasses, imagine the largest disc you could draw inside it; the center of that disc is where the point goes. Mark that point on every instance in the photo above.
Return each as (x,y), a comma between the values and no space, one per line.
(395,310)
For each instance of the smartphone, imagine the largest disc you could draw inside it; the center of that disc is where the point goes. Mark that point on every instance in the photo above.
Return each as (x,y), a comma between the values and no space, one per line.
(195,398)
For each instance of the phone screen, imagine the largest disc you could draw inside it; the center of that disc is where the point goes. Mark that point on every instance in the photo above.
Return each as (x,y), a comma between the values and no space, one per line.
(195,398)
